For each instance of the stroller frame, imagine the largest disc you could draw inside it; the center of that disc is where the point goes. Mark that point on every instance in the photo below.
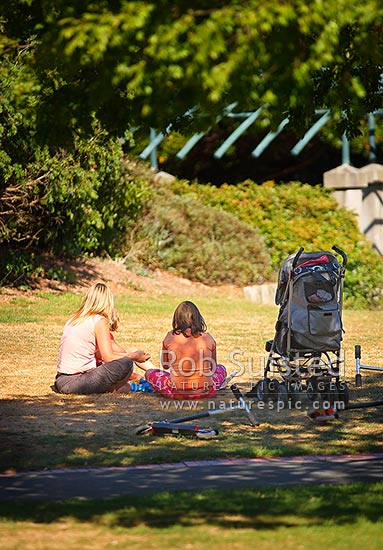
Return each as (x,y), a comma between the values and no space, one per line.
(316,368)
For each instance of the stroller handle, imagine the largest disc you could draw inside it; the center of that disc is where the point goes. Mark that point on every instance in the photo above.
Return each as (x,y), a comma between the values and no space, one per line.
(297,256)
(341,253)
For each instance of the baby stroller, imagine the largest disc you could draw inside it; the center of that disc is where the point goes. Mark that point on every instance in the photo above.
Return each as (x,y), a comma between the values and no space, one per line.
(306,349)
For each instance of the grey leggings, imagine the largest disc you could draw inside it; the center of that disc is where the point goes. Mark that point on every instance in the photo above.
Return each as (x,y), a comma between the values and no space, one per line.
(99,380)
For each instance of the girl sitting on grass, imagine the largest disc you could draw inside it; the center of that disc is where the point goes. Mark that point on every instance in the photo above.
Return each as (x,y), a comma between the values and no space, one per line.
(188,357)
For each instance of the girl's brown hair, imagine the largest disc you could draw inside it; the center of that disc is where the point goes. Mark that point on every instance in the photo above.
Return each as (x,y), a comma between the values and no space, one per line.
(188,316)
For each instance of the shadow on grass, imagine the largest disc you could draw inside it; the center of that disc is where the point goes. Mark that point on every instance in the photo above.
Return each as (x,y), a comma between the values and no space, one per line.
(73,431)
(228,509)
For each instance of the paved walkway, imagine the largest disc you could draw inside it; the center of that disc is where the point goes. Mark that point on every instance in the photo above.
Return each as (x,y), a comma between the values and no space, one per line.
(193,475)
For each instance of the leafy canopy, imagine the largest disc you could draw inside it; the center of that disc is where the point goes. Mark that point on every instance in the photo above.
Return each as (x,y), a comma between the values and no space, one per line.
(148,63)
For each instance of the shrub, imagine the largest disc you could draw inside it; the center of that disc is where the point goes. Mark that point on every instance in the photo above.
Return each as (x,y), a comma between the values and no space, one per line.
(69,204)
(292,215)
(199,242)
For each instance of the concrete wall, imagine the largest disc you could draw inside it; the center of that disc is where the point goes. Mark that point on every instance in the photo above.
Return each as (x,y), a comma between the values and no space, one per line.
(361,190)
(261,294)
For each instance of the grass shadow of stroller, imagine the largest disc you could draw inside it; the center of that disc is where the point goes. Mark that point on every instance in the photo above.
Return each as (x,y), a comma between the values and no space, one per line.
(305,353)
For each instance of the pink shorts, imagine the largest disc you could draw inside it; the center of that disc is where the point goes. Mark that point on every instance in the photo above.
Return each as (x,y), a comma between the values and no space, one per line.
(160,382)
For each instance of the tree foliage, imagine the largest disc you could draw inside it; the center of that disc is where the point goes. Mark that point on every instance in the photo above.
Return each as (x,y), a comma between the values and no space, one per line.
(75,76)
(63,191)
(148,63)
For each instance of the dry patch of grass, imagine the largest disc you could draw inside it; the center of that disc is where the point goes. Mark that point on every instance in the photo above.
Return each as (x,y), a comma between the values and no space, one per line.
(40,429)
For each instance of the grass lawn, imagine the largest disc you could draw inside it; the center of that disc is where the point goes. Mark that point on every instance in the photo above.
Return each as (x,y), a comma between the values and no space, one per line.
(343,517)
(40,429)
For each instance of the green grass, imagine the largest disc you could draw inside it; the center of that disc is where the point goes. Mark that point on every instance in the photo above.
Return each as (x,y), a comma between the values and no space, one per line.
(340,517)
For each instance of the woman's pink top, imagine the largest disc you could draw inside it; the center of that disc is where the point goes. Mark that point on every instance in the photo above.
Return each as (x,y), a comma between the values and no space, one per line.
(77,352)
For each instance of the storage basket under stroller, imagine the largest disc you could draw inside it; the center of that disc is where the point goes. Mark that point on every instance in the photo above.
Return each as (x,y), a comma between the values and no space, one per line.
(305,353)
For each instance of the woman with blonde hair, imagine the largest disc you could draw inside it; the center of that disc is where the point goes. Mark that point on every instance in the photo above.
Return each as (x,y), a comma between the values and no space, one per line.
(90,360)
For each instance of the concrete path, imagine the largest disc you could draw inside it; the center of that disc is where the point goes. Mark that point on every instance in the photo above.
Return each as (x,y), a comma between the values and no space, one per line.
(193,475)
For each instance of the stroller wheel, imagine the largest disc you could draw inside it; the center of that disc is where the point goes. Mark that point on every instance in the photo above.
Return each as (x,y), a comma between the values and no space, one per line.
(262,389)
(293,391)
(330,393)
(273,387)
(312,388)
(283,396)
(343,391)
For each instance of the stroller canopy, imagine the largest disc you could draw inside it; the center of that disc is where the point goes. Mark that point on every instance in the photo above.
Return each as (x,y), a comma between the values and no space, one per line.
(312,261)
